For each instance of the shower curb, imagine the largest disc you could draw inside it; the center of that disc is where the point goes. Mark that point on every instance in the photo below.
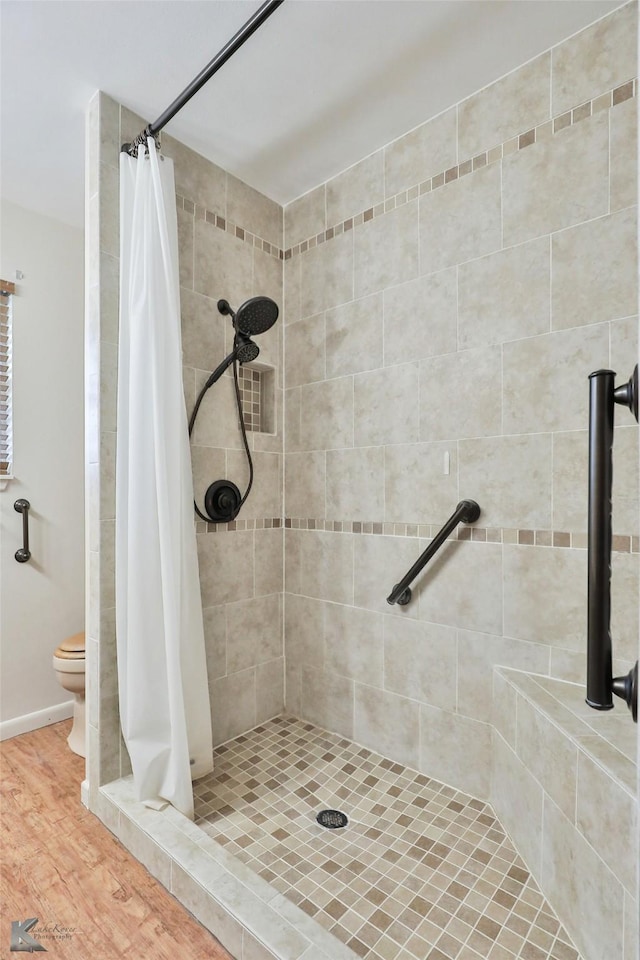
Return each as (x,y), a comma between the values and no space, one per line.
(251,919)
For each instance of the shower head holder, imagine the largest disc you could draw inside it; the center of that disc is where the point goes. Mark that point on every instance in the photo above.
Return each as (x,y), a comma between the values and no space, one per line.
(222,501)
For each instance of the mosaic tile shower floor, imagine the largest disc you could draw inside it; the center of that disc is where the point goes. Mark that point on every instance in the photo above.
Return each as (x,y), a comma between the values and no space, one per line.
(421,872)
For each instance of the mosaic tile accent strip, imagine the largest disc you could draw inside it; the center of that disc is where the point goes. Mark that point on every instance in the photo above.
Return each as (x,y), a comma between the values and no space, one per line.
(421,871)
(539,538)
(250,392)
(228,226)
(264,523)
(543,131)
(426,531)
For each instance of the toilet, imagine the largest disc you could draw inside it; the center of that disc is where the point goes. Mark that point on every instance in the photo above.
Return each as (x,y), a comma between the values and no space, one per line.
(69,665)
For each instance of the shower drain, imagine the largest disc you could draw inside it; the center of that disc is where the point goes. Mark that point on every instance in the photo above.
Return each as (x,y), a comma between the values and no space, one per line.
(332,819)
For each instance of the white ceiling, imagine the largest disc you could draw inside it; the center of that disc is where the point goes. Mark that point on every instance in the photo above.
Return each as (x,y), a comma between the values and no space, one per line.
(322,83)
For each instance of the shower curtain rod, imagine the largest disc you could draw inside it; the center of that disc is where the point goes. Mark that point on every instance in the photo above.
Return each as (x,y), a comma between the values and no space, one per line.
(245,31)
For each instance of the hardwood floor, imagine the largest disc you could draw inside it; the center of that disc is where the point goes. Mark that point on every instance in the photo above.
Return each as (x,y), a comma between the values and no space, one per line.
(61,865)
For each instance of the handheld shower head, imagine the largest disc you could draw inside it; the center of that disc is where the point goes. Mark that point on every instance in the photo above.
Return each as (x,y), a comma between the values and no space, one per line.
(245,350)
(256,315)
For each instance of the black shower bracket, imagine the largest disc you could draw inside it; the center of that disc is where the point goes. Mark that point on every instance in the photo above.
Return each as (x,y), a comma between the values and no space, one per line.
(467,511)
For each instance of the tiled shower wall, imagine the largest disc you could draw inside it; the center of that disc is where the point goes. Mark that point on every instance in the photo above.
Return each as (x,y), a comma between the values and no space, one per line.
(446,299)
(230,240)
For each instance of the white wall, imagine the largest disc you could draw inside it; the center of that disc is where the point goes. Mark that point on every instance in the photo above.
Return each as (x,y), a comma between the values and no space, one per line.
(42,601)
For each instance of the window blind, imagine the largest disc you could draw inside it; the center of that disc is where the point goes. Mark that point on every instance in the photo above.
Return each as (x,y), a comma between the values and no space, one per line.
(6,429)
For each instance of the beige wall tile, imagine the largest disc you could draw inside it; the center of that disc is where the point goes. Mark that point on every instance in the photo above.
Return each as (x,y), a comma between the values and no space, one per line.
(223,264)
(268,282)
(304,631)
(570,480)
(478,654)
(327,699)
(631,917)
(186,230)
(510,477)
(292,695)
(353,336)
(268,552)
(386,250)
(549,755)
(511,105)
(326,420)
(207,464)
(504,296)
(217,421)
(305,484)
(204,330)
(421,153)
(386,406)
(595,271)
(388,724)
(265,499)
(420,318)
(233,705)
(354,643)
(473,407)
(355,189)
(292,290)
(456,750)
(598,58)
(109,126)
(215,641)
(416,488)
(517,799)
(254,632)
(625,628)
(292,552)
(197,179)
(326,275)
(226,567)
(269,689)
(253,211)
(503,713)
(588,898)
(623,173)
(461,220)
(326,562)
(108,386)
(420,661)
(305,217)
(558,575)
(606,815)
(355,483)
(544,379)
(292,410)
(624,353)
(109,203)
(571,171)
(109,294)
(379,563)
(477,566)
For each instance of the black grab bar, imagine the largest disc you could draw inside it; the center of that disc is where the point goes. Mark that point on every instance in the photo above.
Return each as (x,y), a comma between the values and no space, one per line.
(467,511)
(603,395)
(23,554)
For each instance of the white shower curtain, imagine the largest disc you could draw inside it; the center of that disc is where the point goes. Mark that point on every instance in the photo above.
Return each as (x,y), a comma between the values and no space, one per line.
(164,695)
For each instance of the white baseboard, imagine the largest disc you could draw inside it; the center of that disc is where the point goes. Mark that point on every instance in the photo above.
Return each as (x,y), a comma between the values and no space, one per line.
(33,721)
